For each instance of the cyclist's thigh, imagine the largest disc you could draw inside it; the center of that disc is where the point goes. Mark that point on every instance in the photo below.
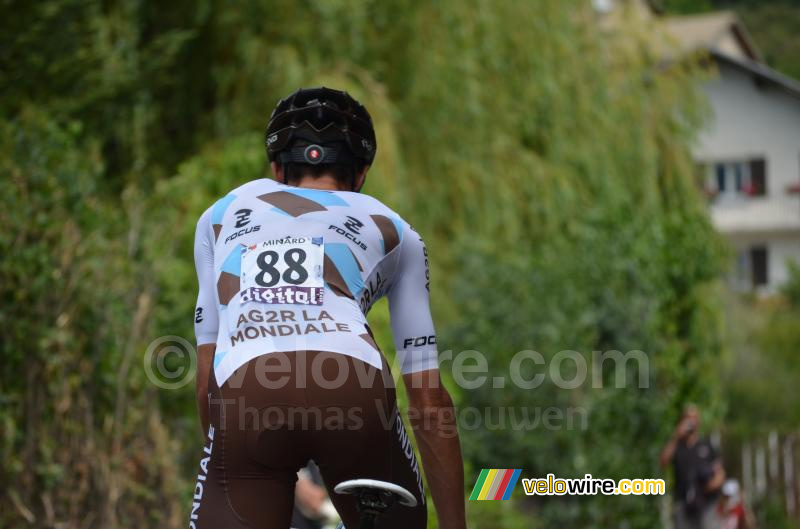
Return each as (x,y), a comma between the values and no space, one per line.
(372,446)
(262,502)
(386,463)
(233,490)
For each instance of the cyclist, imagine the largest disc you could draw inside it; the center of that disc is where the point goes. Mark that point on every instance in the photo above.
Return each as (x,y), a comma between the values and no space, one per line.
(288,369)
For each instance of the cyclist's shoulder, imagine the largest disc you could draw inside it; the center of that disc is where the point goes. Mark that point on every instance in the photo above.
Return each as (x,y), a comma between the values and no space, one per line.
(253,188)
(220,205)
(394,229)
(369,205)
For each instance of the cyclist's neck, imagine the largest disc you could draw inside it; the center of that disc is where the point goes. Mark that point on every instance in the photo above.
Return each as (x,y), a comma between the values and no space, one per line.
(324,182)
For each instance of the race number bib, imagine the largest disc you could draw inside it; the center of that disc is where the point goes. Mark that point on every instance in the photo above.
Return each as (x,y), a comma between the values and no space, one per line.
(285,271)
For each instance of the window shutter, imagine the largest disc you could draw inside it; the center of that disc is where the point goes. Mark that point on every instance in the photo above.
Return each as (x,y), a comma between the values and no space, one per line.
(758,176)
(759,266)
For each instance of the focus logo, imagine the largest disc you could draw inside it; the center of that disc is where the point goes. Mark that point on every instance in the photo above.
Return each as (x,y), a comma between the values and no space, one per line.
(242,218)
(419,341)
(354,225)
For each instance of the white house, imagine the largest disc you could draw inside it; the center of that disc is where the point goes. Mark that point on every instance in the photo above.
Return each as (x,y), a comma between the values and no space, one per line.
(750,152)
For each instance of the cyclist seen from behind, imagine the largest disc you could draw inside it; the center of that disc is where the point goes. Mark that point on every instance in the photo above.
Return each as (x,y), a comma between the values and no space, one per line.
(288,369)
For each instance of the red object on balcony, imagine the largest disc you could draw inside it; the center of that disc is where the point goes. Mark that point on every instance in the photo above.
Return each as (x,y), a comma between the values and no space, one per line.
(793,189)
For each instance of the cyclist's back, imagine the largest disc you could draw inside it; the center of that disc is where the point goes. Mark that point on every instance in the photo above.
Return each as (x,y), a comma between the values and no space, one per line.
(298,269)
(288,368)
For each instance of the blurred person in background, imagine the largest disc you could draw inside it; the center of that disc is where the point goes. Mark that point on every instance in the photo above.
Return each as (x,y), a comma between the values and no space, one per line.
(731,509)
(698,473)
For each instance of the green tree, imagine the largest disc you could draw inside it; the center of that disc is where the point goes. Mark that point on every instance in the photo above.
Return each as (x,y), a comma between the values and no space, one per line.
(773,26)
(763,372)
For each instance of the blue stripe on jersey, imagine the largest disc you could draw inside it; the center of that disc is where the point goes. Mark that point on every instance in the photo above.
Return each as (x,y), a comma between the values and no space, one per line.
(324,198)
(398,225)
(344,261)
(218,356)
(233,263)
(220,206)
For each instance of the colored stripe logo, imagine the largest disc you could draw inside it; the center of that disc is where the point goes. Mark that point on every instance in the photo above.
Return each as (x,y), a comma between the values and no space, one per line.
(495,484)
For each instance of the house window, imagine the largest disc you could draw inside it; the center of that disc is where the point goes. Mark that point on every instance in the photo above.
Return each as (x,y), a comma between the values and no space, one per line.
(746,178)
(759,266)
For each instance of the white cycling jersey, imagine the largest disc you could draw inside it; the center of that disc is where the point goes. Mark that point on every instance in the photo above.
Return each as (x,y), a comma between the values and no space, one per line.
(283,268)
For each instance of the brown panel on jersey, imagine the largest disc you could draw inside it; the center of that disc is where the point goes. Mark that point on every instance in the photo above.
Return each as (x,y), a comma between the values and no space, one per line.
(334,279)
(217,229)
(388,231)
(360,268)
(227,287)
(292,204)
(367,338)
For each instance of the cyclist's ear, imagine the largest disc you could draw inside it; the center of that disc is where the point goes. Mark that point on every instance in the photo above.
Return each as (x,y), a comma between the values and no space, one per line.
(361,176)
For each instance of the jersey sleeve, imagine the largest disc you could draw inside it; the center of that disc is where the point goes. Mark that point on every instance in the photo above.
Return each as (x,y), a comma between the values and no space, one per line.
(206,319)
(409,307)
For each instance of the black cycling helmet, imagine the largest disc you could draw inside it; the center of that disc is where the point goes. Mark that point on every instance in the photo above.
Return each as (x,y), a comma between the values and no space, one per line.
(320,125)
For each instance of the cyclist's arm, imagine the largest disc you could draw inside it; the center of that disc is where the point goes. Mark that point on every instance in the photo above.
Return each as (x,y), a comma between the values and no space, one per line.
(206,320)
(431,412)
(432,417)
(205,358)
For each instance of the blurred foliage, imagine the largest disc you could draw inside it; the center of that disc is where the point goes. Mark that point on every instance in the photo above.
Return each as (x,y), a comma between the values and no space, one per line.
(760,381)
(773,515)
(684,7)
(545,161)
(761,378)
(774,27)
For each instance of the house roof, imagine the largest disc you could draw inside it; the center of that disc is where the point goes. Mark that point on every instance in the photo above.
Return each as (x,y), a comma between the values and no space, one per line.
(762,72)
(723,35)
(720,31)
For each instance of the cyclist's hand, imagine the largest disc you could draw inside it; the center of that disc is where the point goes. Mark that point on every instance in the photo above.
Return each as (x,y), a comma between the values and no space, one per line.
(310,497)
